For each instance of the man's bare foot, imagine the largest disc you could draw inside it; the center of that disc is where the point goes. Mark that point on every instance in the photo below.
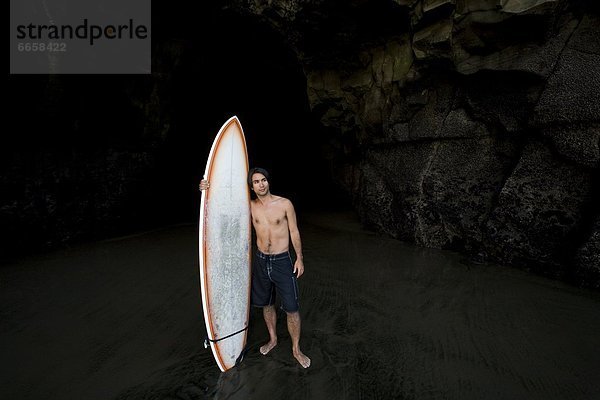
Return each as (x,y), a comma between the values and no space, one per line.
(302,359)
(264,350)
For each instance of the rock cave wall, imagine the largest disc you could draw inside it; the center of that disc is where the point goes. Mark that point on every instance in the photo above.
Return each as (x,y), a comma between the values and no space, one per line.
(79,162)
(471,125)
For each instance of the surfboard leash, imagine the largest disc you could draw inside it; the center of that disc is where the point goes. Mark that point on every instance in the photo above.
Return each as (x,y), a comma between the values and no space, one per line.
(208,341)
(241,356)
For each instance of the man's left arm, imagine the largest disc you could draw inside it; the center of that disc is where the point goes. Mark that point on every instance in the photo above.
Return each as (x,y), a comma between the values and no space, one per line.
(295,236)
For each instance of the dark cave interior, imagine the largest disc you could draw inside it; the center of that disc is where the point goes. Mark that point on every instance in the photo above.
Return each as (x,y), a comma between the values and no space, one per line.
(465,126)
(74,131)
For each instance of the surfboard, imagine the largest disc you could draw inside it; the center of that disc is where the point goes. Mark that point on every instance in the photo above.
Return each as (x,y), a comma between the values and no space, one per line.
(224,247)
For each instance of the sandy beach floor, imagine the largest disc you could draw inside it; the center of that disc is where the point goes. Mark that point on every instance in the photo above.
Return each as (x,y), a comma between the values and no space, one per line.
(122,319)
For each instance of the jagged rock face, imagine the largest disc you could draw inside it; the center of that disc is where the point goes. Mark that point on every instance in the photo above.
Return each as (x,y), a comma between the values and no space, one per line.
(587,259)
(463,124)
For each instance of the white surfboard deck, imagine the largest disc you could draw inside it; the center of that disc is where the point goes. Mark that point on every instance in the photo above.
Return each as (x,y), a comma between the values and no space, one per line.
(225,235)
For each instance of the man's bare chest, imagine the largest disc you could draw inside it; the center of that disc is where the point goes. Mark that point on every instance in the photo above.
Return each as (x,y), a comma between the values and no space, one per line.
(268,217)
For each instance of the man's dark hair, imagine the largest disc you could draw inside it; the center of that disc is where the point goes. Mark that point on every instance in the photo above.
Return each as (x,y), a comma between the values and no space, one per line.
(257,170)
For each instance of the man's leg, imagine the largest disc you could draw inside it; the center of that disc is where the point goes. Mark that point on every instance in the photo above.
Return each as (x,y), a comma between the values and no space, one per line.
(270,316)
(293,323)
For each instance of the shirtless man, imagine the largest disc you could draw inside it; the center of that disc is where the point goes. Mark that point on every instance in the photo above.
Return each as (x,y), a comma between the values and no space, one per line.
(273,272)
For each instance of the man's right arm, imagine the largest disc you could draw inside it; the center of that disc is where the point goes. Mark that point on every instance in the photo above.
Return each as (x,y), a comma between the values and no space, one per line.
(204,185)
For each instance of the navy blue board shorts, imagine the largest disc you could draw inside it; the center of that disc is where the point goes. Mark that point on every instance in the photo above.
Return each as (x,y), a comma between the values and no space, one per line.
(273,275)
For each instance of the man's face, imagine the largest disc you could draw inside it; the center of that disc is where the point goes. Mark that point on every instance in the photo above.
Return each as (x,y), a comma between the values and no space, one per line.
(260,185)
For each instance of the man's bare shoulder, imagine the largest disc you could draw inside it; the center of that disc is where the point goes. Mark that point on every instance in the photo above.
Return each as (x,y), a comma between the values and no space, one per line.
(282,201)
(278,201)
(279,198)
(287,204)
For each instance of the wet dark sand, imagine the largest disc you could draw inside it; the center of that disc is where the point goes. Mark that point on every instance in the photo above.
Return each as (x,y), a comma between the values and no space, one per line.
(381,320)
